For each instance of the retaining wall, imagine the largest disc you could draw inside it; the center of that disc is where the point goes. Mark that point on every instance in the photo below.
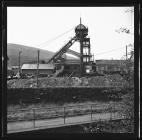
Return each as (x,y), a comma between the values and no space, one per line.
(31,95)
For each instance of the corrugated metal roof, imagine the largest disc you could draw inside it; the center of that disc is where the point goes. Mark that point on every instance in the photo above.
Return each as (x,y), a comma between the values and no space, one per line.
(41,66)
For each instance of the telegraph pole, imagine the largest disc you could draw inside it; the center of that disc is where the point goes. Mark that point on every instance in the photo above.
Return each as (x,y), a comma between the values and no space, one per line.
(37,66)
(126,52)
(81,50)
(19,63)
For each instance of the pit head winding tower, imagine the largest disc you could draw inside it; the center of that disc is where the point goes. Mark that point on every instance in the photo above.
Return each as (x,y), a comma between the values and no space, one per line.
(86,59)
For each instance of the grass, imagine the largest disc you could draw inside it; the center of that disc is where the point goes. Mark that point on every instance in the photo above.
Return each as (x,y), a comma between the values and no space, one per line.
(75,108)
(121,126)
(44,111)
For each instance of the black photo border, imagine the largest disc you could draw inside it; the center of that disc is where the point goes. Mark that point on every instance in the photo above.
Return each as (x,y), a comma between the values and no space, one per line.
(38,133)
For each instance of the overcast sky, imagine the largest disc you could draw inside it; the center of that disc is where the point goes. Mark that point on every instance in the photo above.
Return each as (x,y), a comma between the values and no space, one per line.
(51,27)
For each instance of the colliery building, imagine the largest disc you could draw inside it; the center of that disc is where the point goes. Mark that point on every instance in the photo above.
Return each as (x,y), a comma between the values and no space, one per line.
(109,66)
(42,69)
(72,67)
(58,65)
(86,63)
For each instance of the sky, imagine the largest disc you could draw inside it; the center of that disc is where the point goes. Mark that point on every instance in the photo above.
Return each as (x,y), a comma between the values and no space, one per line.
(50,28)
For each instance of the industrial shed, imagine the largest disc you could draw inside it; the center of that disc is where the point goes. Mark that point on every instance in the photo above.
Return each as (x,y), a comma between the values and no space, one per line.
(70,66)
(32,68)
(103,66)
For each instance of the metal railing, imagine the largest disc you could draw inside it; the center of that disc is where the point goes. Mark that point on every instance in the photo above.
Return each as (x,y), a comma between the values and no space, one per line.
(62,115)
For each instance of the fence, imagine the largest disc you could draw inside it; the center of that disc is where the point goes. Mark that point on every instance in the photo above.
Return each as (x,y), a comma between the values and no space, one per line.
(23,119)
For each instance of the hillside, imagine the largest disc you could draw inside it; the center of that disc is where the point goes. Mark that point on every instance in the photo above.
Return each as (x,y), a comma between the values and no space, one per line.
(29,54)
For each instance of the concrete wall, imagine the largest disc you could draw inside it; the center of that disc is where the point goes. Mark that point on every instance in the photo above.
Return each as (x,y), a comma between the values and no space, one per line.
(56,95)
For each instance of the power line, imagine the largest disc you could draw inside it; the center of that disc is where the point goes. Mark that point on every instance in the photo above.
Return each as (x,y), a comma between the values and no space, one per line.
(53,39)
(109,51)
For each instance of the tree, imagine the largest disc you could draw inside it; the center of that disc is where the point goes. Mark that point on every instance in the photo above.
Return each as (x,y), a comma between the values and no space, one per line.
(127,106)
(127,66)
(124,29)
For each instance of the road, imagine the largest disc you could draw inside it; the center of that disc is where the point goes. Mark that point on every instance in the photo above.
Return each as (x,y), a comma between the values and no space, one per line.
(58,122)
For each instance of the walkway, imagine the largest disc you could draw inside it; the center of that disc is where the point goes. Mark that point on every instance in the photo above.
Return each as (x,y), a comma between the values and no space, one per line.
(59,122)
